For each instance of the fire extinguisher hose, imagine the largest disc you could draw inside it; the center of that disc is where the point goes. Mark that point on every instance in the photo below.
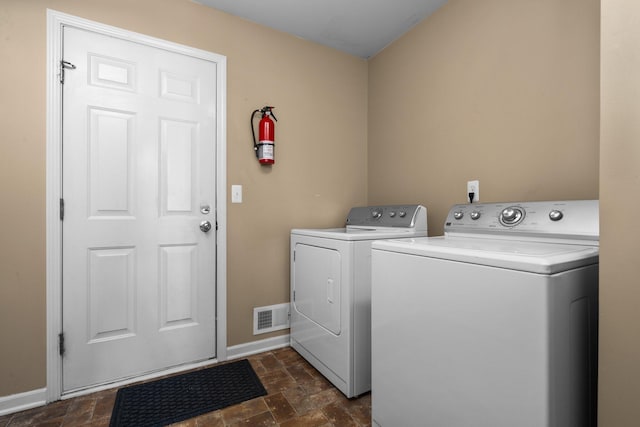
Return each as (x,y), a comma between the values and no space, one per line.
(253,132)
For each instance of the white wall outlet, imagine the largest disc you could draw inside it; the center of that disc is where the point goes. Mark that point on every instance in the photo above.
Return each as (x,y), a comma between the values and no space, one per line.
(236,193)
(473,187)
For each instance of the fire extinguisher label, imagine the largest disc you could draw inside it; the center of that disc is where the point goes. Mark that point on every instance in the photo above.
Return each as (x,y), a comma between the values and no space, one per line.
(265,150)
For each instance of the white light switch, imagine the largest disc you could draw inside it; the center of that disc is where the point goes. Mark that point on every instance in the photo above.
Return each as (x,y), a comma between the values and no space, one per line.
(236,194)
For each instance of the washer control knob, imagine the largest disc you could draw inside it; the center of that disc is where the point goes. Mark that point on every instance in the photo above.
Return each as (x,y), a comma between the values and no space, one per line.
(458,214)
(376,214)
(555,215)
(402,214)
(392,214)
(511,216)
(475,215)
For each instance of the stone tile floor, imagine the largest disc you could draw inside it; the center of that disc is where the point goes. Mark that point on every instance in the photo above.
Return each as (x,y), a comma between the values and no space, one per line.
(298,396)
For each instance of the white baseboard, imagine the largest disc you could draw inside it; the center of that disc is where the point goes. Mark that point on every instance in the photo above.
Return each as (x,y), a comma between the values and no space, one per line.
(255,347)
(32,399)
(21,401)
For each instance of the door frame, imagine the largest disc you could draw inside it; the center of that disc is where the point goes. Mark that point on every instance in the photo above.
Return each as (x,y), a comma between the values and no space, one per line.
(55,22)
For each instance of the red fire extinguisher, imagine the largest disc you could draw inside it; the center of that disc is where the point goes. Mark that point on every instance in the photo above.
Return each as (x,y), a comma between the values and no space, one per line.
(264,148)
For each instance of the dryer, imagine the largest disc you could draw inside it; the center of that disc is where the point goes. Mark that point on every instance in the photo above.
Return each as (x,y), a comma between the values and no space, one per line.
(331,290)
(493,324)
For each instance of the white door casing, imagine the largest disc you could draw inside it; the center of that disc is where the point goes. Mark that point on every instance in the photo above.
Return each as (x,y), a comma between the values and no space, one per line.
(135,239)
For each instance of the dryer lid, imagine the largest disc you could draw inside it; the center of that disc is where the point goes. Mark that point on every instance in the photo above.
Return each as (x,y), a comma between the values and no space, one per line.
(359,233)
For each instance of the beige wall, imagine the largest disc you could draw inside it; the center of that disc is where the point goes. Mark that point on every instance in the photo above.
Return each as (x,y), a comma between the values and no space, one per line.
(320,170)
(619,202)
(497,90)
(503,91)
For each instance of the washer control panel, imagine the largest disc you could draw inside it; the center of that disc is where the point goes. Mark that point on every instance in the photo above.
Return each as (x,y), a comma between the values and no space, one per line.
(407,216)
(562,219)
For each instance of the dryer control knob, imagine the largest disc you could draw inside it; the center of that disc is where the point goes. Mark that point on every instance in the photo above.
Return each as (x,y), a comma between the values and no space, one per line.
(392,214)
(402,214)
(376,214)
(555,215)
(458,214)
(475,215)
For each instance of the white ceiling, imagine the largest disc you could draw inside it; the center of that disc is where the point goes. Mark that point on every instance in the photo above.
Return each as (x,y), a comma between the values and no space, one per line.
(359,27)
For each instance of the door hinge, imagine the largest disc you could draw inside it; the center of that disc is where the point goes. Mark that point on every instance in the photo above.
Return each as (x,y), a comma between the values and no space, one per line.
(65,65)
(294,296)
(61,343)
(61,209)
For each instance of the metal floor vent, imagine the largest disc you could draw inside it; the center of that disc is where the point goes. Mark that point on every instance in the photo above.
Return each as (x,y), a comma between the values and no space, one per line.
(270,318)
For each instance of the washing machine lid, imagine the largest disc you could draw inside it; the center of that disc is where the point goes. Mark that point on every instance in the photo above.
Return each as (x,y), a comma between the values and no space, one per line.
(534,257)
(353,233)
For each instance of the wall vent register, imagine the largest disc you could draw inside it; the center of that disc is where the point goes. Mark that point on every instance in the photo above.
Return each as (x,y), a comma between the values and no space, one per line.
(270,318)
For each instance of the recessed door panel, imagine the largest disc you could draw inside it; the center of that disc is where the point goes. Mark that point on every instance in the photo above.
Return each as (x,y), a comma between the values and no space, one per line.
(110,163)
(112,73)
(178,153)
(180,87)
(178,285)
(112,287)
(317,285)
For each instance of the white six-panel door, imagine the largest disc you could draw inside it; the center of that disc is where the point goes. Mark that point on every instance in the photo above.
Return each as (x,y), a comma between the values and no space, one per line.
(139,130)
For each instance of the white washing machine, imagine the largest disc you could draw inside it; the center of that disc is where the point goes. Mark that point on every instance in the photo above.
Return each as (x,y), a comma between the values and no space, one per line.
(331,290)
(493,324)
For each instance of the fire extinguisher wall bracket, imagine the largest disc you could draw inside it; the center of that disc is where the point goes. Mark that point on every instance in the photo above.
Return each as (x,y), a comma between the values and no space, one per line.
(264,148)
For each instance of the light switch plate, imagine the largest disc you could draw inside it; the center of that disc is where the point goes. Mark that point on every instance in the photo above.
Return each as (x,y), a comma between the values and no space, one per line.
(236,193)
